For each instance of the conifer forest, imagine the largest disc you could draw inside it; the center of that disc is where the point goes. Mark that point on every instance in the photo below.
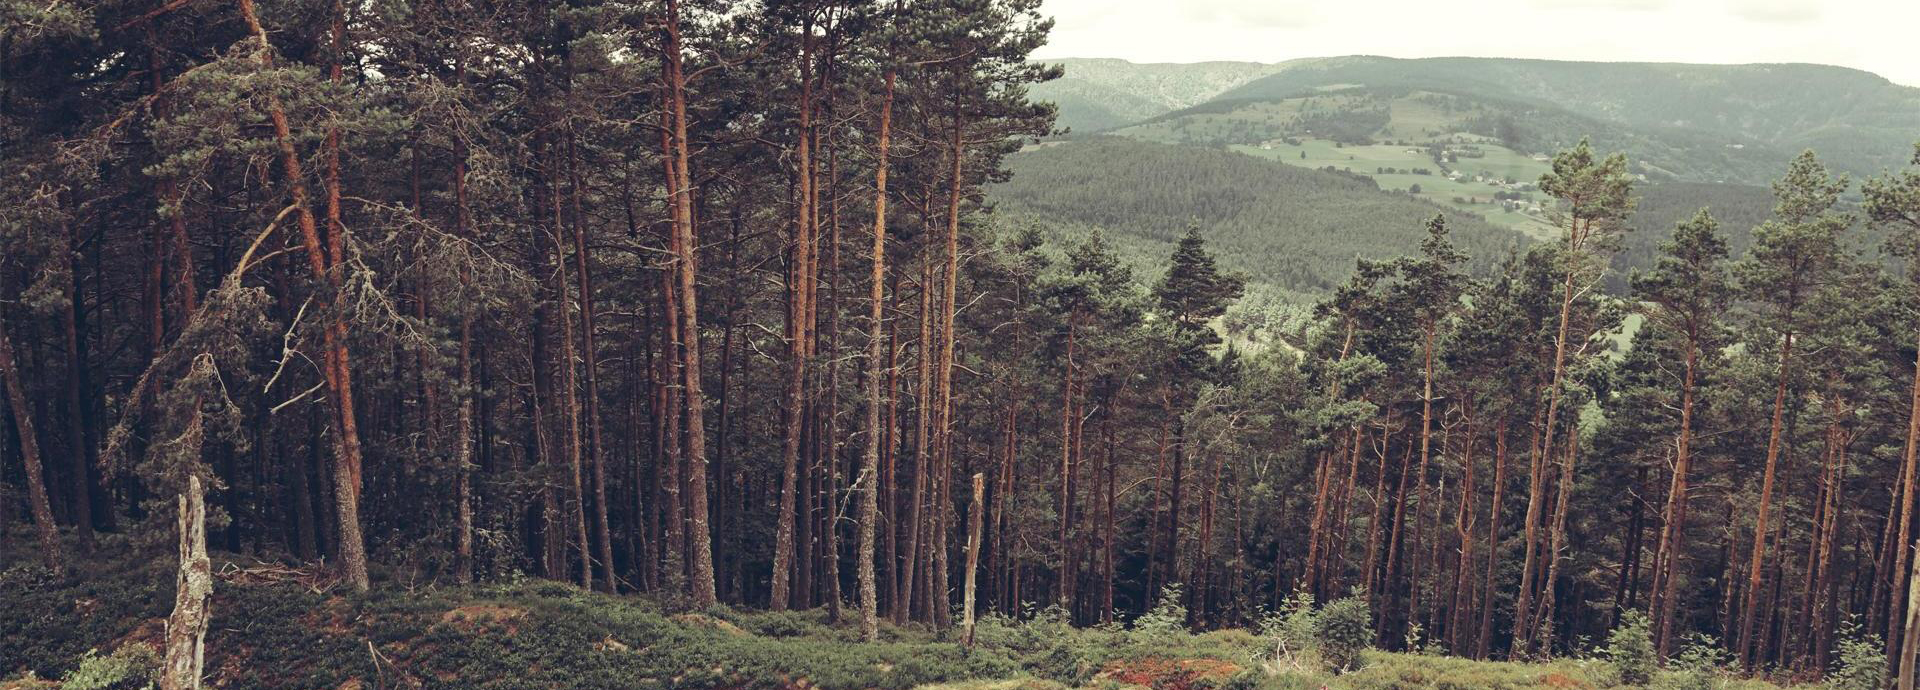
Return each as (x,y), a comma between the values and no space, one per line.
(739,316)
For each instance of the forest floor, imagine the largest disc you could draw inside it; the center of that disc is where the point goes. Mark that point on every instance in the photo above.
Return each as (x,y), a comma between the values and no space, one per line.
(100,626)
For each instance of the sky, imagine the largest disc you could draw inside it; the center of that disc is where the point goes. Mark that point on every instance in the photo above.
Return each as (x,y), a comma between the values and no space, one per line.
(1880,36)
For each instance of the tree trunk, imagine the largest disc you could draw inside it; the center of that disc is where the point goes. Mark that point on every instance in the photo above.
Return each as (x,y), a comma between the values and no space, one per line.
(1317,536)
(1202,590)
(187,627)
(1463,530)
(667,475)
(1557,542)
(1673,524)
(923,381)
(1910,647)
(890,451)
(1483,638)
(876,339)
(1750,607)
(1063,569)
(30,453)
(950,306)
(1370,574)
(1575,236)
(1902,553)
(1107,531)
(974,516)
(570,390)
(463,445)
(589,361)
(1536,486)
(700,556)
(326,266)
(1429,331)
(1337,546)
(799,318)
(80,443)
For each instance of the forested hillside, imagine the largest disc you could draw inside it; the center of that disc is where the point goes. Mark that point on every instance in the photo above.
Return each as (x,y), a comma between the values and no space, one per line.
(770,345)
(1292,228)
(1662,207)
(1360,115)
(1858,120)
(1096,94)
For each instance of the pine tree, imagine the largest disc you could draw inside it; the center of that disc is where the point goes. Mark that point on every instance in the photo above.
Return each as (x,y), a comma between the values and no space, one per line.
(1893,202)
(1684,296)
(1594,197)
(1795,255)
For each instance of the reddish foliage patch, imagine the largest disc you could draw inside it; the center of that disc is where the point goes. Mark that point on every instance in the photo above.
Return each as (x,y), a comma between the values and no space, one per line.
(1169,674)
(1560,681)
(483,616)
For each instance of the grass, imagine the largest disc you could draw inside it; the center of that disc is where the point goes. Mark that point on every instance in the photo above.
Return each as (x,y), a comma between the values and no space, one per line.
(101,627)
(1417,118)
(1465,194)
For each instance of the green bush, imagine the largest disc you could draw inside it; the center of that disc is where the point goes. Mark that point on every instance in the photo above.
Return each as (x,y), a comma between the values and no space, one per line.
(1695,668)
(1166,621)
(1292,629)
(131,667)
(1630,652)
(1862,664)
(52,620)
(1045,644)
(782,623)
(1342,631)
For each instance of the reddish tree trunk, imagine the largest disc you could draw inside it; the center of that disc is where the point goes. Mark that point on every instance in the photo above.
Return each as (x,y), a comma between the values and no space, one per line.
(30,452)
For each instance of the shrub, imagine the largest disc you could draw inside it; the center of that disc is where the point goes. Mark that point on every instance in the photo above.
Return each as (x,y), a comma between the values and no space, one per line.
(1291,630)
(1044,644)
(130,667)
(1630,650)
(1694,668)
(1862,664)
(782,623)
(1167,620)
(1050,648)
(52,620)
(1341,632)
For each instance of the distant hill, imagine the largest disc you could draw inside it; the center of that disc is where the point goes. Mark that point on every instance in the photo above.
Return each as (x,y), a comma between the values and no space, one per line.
(1859,121)
(1295,168)
(1102,93)
(1294,229)
(1688,122)
(1359,115)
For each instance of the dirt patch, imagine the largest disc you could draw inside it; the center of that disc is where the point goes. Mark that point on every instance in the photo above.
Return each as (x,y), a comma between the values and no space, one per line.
(478,616)
(1169,674)
(1561,681)
(28,684)
(695,620)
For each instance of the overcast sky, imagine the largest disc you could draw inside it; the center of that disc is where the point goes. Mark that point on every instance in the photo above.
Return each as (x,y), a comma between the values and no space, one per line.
(1880,36)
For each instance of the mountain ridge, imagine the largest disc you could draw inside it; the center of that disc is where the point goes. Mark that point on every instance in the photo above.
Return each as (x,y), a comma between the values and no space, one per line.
(1861,121)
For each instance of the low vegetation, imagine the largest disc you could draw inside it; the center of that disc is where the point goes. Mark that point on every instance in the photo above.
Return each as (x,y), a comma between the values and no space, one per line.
(281,627)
